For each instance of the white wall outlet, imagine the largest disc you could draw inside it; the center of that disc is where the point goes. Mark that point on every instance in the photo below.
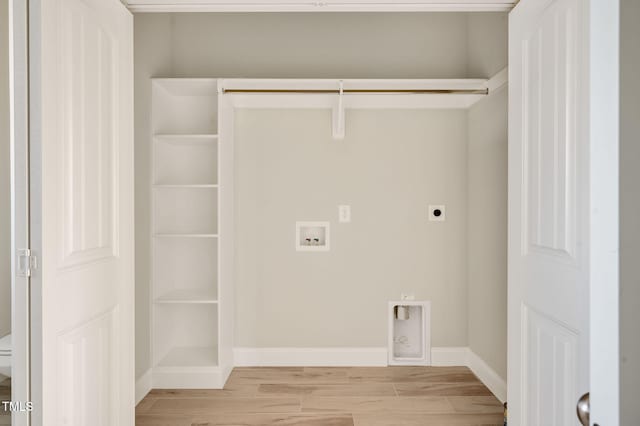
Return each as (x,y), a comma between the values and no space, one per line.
(437,213)
(344,213)
(407,296)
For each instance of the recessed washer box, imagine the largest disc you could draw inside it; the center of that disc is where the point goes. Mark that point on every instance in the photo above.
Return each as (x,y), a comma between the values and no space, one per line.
(312,236)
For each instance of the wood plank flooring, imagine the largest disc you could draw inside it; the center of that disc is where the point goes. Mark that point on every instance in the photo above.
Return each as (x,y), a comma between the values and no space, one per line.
(318,396)
(5,395)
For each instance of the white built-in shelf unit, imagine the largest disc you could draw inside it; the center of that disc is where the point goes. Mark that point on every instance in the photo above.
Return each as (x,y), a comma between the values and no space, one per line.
(186,307)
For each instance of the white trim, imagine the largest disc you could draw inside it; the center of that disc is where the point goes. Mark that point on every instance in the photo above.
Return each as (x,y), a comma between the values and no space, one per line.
(320,6)
(603,138)
(25,209)
(143,385)
(464,356)
(189,377)
(496,384)
(230,84)
(334,357)
(310,357)
(449,356)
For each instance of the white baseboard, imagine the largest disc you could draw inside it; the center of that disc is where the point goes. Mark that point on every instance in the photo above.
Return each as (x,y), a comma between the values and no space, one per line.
(367,357)
(449,356)
(487,375)
(310,357)
(188,377)
(143,386)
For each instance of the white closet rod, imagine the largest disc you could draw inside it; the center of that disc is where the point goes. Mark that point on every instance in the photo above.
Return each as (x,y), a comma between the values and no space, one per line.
(365,91)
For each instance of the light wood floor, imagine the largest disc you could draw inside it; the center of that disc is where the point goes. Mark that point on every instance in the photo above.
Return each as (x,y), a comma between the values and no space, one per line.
(5,395)
(350,396)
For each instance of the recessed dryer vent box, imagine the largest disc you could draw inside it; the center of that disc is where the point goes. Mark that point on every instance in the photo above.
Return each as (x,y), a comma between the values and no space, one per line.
(409,332)
(312,236)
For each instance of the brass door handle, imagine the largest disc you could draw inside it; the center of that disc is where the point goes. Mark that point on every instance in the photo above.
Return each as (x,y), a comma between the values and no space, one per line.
(583,409)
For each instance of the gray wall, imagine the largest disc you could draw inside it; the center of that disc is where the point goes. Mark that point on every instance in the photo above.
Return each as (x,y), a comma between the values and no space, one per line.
(629,211)
(389,168)
(317,45)
(5,189)
(402,45)
(486,43)
(487,203)
(487,249)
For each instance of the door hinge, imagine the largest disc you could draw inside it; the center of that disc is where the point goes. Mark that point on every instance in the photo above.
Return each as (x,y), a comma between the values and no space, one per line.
(27,262)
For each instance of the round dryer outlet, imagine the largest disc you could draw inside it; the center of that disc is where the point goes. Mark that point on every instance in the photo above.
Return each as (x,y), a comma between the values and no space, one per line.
(437,213)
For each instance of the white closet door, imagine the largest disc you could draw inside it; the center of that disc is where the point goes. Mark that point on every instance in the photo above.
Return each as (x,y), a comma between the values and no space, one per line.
(83,114)
(548,212)
(563,211)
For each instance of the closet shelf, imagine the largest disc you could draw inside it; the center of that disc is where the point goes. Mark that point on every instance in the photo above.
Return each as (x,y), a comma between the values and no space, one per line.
(190,357)
(186,185)
(187,296)
(185,137)
(186,235)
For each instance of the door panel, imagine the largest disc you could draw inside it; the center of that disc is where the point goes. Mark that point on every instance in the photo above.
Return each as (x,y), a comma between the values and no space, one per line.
(88,357)
(550,352)
(548,136)
(89,126)
(87,212)
(548,212)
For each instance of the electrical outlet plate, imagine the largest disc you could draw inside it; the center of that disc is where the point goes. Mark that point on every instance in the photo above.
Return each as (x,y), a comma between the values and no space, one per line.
(344,213)
(437,213)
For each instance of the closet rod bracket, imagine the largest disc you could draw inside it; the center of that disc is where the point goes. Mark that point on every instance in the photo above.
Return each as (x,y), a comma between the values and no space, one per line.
(338,114)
